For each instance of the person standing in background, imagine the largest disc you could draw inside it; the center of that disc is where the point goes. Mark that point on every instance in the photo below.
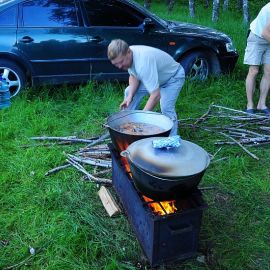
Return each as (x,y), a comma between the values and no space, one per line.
(258,53)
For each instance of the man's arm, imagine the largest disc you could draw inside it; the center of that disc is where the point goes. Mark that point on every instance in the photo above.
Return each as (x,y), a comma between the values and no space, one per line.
(133,86)
(152,100)
(266,32)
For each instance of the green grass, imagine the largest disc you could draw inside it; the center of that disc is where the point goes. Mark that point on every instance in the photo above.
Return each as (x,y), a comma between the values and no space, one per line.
(61,215)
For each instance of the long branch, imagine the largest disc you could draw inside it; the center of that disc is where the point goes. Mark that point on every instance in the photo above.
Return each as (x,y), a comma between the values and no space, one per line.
(103,137)
(204,116)
(233,110)
(90,161)
(89,176)
(69,139)
(57,169)
(248,152)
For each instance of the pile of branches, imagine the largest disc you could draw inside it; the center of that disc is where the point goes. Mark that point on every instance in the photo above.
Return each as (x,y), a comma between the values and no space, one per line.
(96,154)
(237,127)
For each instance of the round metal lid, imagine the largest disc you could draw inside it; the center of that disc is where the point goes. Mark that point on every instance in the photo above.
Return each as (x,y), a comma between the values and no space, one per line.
(187,159)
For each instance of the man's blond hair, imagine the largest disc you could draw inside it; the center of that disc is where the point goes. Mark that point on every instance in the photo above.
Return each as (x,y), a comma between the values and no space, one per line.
(116,48)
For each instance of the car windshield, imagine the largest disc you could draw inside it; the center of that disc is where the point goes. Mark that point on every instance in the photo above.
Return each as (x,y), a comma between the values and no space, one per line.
(150,14)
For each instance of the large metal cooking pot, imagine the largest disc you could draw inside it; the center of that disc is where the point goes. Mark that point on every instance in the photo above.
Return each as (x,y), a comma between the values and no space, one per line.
(121,140)
(166,173)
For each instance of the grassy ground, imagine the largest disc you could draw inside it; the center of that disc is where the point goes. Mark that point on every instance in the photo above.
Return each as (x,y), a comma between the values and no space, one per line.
(61,215)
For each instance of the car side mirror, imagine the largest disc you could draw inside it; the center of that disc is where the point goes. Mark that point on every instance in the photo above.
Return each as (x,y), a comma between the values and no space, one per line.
(147,24)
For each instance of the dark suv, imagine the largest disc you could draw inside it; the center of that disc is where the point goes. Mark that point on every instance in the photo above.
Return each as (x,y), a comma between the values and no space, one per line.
(53,41)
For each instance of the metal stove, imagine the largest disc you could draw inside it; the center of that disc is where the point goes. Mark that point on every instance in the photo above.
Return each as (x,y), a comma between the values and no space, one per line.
(163,238)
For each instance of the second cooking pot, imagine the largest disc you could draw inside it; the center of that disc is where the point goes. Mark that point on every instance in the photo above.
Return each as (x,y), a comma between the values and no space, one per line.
(167,172)
(161,126)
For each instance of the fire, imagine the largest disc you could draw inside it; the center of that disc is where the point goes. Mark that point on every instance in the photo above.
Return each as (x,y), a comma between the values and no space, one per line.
(169,206)
(126,165)
(122,145)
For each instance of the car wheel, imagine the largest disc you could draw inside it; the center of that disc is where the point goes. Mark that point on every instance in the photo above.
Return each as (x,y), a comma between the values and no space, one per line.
(13,75)
(196,65)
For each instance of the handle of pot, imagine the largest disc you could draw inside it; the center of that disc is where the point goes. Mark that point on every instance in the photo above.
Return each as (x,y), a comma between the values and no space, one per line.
(183,229)
(105,125)
(125,153)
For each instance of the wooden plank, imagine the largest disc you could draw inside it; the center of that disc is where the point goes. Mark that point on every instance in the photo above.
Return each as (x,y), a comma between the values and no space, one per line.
(108,202)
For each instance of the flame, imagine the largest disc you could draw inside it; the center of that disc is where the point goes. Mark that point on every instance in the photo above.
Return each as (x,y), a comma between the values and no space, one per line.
(122,145)
(126,165)
(169,206)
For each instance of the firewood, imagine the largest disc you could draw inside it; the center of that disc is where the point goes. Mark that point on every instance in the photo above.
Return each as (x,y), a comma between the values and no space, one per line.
(233,110)
(90,177)
(245,149)
(91,161)
(69,139)
(101,139)
(108,202)
(57,169)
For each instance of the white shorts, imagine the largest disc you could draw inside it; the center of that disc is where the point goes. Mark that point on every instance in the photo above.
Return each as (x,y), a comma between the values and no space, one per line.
(257,51)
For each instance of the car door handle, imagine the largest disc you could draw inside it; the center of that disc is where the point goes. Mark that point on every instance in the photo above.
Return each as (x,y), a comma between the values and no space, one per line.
(95,39)
(26,39)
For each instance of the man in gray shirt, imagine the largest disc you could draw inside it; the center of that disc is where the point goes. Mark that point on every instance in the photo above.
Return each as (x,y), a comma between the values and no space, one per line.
(152,72)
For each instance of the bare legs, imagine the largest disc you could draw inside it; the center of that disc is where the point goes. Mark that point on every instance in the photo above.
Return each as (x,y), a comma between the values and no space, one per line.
(250,85)
(264,86)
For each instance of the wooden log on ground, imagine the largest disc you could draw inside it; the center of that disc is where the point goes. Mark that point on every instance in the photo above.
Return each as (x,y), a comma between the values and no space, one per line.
(108,202)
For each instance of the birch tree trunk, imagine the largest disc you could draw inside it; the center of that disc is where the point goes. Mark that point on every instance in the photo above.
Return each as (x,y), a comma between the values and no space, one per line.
(215,13)
(206,3)
(246,11)
(147,4)
(191,8)
(225,4)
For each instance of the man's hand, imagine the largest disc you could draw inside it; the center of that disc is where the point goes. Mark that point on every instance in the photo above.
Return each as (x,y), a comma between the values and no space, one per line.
(125,103)
(153,100)
(133,87)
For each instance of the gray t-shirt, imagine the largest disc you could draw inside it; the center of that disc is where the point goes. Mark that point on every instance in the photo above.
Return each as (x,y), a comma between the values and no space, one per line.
(261,21)
(151,66)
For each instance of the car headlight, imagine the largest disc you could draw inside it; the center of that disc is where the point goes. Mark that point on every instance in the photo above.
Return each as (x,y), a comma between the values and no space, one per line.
(230,47)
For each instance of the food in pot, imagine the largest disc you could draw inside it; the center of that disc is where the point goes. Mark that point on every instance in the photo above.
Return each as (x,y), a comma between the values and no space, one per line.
(133,128)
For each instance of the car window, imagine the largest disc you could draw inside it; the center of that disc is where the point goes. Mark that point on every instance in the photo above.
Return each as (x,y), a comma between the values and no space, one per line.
(112,13)
(49,13)
(8,17)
